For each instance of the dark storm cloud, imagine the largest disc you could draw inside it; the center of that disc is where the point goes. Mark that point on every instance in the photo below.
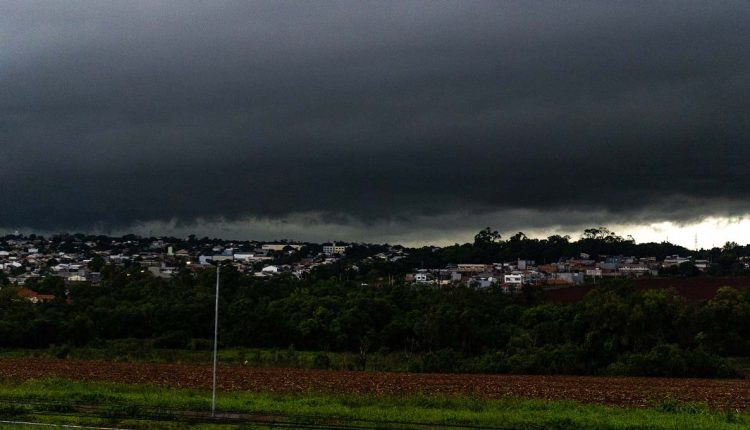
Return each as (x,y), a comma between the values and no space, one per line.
(114,114)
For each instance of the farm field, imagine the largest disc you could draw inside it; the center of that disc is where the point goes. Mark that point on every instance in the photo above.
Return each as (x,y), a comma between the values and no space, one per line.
(630,392)
(132,406)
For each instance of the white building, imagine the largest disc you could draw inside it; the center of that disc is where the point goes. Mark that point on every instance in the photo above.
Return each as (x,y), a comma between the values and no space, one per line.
(703,265)
(332,248)
(422,278)
(674,260)
(514,279)
(270,269)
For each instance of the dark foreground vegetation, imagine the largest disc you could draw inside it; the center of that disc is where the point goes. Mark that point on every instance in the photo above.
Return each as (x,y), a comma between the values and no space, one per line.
(613,330)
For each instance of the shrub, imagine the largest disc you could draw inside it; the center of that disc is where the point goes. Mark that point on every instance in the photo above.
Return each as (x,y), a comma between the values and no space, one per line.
(670,360)
(173,339)
(61,351)
(322,361)
(496,362)
(201,344)
(444,360)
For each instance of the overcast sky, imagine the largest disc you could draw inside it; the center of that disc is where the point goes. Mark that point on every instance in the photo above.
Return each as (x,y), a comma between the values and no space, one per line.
(414,122)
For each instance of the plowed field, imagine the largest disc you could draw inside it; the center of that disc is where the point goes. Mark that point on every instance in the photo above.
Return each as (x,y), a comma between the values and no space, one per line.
(607,390)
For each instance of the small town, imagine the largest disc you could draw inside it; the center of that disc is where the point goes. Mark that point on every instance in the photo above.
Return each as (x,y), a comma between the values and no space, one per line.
(79,259)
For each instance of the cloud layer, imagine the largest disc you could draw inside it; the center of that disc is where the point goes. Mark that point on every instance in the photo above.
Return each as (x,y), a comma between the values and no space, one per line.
(372,113)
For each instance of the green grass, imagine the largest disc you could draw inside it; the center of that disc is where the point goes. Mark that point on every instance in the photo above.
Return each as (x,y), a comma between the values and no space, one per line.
(507,413)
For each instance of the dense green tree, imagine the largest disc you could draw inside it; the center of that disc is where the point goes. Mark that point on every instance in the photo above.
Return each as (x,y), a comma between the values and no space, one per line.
(615,328)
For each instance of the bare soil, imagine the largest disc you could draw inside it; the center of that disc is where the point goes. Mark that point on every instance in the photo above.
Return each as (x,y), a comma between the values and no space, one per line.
(638,392)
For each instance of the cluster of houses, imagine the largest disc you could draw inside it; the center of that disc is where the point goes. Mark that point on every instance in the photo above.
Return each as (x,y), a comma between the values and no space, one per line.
(79,259)
(263,259)
(511,276)
(21,260)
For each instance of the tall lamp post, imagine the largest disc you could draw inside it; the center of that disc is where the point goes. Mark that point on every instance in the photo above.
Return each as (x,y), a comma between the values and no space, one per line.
(216,340)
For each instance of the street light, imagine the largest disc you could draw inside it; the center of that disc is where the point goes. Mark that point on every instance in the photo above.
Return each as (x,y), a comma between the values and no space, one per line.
(216,339)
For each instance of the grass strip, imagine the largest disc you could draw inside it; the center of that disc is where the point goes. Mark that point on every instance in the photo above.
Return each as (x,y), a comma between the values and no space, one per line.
(368,410)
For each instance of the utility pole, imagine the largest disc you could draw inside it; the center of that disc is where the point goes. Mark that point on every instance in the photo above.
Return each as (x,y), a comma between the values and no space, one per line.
(216,340)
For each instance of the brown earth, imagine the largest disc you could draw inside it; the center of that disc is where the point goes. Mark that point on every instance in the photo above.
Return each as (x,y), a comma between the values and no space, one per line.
(608,390)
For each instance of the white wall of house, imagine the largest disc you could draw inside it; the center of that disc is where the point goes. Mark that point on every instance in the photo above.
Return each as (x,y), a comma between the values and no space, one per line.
(513,279)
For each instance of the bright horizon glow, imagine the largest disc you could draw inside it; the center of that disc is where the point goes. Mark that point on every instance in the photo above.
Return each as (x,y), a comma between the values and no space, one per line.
(711,232)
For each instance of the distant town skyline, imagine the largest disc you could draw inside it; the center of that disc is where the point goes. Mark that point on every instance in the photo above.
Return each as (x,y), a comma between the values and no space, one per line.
(404,122)
(709,233)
